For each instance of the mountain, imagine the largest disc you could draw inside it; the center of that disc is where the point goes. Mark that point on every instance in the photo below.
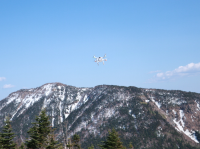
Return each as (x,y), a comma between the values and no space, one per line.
(149,118)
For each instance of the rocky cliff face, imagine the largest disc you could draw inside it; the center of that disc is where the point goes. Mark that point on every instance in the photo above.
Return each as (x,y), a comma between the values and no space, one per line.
(146,117)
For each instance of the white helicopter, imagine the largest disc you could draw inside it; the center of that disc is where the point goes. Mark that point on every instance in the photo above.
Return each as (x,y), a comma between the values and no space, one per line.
(100,59)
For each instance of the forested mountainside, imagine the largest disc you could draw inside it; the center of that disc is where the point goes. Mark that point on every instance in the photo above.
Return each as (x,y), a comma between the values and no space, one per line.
(149,118)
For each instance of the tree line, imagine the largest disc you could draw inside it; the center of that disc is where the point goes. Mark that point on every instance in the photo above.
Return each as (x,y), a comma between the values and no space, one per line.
(41,136)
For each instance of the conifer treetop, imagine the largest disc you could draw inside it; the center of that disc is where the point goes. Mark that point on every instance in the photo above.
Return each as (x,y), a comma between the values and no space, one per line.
(6,137)
(113,141)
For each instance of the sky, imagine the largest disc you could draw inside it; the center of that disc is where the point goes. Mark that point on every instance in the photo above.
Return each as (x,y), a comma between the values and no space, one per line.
(148,43)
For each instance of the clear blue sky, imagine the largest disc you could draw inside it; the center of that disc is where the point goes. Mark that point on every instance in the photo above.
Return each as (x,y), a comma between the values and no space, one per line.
(146,42)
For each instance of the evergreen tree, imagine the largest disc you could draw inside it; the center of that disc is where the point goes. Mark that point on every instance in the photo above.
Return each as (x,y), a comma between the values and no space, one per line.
(22,146)
(76,141)
(69,145)
(113,141)
(7,136)
(0,143)
(39,132)
(130,146)
(34,137)
(52,143)
(91,147)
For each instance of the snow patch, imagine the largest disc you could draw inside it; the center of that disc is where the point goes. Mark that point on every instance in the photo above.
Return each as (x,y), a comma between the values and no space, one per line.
(157,103)
(61,93)
(14,114)
(10,99)
(46,102)
(109,113)
(48,89)
(78,97)
(60,108)
(158,132)
(84,89)
(176,101)
(74,106)
(198,107)
(31,99)
(52,122)
(85,99)
(191,135)
(181,129)
(174,112)
(133,115)
(66,115)
(182,116)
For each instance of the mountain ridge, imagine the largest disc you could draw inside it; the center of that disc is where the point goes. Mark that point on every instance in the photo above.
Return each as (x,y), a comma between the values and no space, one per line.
(90,111)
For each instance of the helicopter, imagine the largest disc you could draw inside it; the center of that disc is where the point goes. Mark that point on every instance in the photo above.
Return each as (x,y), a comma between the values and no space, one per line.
(100,59)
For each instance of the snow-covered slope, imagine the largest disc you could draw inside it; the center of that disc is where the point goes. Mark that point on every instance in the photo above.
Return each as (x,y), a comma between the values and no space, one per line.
(58,98)
(181,109)
(92,111)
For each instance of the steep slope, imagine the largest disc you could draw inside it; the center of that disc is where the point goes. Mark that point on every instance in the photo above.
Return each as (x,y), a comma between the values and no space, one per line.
(148,118)
(24,105)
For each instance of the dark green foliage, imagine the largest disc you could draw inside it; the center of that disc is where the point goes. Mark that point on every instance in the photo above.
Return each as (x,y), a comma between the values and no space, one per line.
(52,144)
(0,143)
(76,141)
(39,132)
(69,145)
(130,146)
(22,146)
(91,147)
(34,138)
(113,141)
(6,137)
(95,140)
